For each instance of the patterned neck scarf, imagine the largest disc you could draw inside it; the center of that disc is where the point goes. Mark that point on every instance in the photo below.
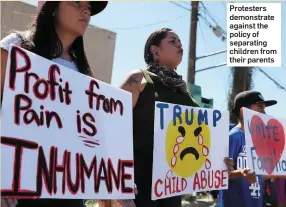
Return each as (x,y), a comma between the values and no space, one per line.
(169,78)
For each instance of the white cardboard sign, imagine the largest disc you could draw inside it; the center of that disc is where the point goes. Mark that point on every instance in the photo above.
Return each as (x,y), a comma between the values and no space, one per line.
(190,145)
(64,134)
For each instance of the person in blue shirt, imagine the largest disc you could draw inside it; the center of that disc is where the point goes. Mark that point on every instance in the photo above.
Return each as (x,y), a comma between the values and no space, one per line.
(245,188)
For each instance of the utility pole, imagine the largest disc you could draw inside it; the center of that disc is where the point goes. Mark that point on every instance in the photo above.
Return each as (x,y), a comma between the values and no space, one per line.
(241,81)
(193,42)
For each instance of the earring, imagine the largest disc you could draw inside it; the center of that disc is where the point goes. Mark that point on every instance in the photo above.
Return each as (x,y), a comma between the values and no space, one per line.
(53,14)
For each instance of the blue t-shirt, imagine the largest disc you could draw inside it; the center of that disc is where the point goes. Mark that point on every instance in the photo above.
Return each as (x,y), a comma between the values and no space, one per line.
(239,192)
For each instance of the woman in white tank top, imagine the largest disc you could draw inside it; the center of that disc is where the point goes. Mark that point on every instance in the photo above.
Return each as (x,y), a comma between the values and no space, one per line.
(56,35)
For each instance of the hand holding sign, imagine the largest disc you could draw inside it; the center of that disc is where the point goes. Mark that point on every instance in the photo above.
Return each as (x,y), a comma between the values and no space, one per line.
(229,163)
(250,177)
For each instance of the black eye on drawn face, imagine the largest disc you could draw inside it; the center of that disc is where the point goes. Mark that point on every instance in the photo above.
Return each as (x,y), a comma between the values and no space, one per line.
(197,131)
(182,130)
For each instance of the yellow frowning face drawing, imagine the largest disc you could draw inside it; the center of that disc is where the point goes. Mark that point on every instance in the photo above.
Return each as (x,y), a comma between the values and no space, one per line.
(187,146)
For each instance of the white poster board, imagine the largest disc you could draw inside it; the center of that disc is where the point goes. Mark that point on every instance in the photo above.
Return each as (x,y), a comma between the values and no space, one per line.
(64,134)
(265,143)
(190,145)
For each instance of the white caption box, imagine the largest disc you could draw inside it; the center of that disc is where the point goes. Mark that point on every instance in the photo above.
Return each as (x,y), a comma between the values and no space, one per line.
(254,34)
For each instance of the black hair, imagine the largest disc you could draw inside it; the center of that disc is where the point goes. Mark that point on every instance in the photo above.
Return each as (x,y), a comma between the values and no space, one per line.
(42,39)
(154,39)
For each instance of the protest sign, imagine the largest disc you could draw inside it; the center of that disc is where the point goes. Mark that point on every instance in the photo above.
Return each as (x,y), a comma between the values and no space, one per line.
(265,143)
(64,134)
(190,145)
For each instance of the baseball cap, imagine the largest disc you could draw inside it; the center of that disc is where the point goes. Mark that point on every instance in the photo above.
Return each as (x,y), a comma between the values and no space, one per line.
(96,6)
(247,98)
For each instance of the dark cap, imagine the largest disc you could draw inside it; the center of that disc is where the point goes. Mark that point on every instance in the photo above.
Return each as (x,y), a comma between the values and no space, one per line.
(247,98)
(97,6)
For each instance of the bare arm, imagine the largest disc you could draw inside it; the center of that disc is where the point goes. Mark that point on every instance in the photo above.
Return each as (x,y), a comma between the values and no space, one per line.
(243,173)
(134,83)
(4,58)
(236,174)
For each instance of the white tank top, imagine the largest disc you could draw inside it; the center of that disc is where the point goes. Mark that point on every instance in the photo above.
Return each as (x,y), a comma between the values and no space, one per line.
(13,38)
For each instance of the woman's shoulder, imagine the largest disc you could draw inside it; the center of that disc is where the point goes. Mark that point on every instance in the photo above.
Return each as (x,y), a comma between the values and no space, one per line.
(135,76)
(12,38)
(134,82)
(136,72)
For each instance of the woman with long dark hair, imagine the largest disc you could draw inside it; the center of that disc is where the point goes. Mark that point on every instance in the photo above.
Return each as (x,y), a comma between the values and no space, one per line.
(56,34)
(159,82)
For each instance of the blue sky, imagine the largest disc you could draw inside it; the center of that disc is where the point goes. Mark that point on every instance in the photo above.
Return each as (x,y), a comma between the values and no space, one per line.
(135,21)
